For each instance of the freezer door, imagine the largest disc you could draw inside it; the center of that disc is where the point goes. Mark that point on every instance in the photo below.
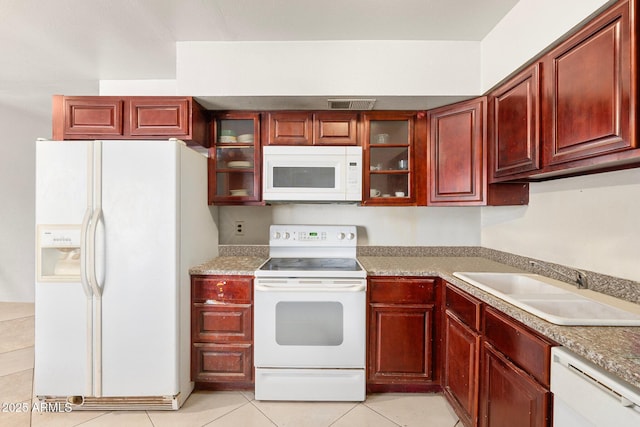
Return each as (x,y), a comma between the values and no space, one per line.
(138,268)
(62,309)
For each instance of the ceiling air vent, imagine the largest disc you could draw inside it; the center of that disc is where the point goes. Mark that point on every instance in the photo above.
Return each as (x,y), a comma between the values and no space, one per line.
(351,104)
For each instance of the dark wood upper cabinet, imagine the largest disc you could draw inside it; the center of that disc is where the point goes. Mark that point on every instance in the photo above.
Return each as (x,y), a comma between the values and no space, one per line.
(389,167)
(514,126)
(130,117)
(159,116)
(590,90)
(87,115)
(335,128)
(456,160)
(235,159)
(289,128)
(311,128)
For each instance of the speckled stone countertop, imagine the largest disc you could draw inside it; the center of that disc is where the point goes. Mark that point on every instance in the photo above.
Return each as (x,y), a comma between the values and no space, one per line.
(229,265)
(616,349)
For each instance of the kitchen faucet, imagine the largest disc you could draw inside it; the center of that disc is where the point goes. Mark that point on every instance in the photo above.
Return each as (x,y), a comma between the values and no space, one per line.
(580,280)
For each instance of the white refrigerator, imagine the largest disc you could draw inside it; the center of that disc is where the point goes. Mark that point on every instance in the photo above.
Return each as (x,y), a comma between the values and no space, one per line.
(118,224)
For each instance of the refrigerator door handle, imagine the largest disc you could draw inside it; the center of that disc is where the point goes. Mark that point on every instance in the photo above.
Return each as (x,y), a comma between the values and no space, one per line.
(96,286)
(96,218)
(84,274)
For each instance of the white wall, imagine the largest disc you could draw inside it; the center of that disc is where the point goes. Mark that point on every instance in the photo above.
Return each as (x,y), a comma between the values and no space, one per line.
(138,87)
(326,68)
(25,115)
(589,222)
(586,222)
(526,30)
(17,217)
(392,226)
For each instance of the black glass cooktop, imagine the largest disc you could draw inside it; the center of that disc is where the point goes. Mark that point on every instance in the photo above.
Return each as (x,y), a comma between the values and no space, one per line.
(311,264)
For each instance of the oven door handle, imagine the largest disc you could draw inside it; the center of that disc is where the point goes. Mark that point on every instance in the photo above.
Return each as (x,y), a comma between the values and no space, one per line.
(271,288)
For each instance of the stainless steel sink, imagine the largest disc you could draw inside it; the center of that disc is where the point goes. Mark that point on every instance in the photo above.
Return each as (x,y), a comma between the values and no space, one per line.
(556,302)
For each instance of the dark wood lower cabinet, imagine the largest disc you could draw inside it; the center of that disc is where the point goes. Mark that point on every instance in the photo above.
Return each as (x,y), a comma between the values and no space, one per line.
(400,342)
(423,335)
(222,332)
(220,365)
(401,337)
(460,372)
(509,396)
(496,371)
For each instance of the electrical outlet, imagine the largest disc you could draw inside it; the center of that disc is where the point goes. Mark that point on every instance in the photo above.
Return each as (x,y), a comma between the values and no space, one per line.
(238,228)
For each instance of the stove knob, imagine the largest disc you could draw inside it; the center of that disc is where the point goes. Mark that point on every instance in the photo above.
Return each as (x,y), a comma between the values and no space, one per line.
(341,236)
(351,236)
(276,235)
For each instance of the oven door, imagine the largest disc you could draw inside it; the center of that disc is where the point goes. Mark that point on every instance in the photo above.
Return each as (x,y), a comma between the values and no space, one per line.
(310,323)
(312,173)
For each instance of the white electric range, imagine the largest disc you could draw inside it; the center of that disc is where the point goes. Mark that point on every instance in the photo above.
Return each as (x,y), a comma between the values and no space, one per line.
(310,316)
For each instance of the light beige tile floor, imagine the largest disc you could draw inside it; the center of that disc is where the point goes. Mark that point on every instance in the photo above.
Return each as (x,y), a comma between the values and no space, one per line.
(203,408)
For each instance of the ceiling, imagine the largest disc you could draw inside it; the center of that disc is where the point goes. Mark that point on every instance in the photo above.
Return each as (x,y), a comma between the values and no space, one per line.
(48,42)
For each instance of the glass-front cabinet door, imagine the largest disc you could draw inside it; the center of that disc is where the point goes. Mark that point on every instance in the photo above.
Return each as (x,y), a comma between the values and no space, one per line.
(388,158)
(234,168)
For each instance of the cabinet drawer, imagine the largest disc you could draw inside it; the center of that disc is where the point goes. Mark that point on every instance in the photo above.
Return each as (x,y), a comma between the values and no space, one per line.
(221,322)
(222,362)
(523,347)
(236,289)
(463,306)
(402,291)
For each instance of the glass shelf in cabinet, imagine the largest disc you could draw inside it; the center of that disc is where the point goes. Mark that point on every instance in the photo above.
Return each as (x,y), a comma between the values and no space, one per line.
(383,186)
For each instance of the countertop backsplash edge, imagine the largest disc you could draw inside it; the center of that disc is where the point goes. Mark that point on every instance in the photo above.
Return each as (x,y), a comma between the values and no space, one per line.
(625,289)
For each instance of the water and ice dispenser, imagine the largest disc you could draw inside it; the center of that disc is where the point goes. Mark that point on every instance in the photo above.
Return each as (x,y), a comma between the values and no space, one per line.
(58,253)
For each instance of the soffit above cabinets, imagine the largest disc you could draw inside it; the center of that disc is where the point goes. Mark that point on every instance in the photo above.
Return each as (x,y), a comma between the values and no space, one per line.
(272,103)
(135,39)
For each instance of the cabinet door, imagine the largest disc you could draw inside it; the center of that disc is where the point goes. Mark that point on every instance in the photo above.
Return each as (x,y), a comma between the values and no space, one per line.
(456,160)
(460,373)
(331,128)
(235,159)
(400,343)
(388,158)
(130,117)
(509,396)
(157,116)
(87,117)
(589,107)
(514,125)
(289,128)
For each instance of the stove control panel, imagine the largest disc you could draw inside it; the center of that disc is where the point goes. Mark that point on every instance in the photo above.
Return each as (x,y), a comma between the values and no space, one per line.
(308,235)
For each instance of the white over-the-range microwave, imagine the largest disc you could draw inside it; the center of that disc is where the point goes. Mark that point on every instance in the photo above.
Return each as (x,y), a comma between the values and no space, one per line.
(312,173)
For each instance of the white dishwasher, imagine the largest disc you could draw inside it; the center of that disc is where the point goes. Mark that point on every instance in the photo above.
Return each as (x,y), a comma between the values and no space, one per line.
(587,396)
